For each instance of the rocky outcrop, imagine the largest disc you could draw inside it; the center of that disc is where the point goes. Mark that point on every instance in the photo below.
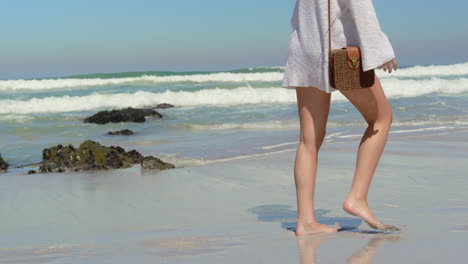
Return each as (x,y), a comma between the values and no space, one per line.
(159,106)
(133,155)
(125,132)
(3,164)
(150,113)
(151,162)
(124,115)
(164,105)
(91,155)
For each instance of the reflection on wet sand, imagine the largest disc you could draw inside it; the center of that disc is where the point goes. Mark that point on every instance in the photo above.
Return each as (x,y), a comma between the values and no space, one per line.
(308,248)
(50,254)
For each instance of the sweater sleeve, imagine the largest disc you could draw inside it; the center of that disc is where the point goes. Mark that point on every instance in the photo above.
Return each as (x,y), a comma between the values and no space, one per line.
(294,21)
(376,48)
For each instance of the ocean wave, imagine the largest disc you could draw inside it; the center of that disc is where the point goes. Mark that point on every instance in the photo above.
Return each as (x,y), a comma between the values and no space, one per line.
(294,124)
(49,84)
(406,131)
(394,88)
(267,125)
(292,146)
(261,74)
(213,97)
(459,69)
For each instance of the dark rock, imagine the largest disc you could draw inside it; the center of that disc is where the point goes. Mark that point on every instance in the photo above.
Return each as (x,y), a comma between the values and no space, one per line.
(93,156)
(125,132)
(31,172)
(151,112)
(164,105)
(89,156)
(150,162)
(134,155)
(3,164)
(125,115)
(118,148)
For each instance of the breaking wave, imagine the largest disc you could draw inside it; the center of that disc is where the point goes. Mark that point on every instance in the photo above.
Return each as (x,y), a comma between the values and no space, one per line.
(394,88)
(258,74)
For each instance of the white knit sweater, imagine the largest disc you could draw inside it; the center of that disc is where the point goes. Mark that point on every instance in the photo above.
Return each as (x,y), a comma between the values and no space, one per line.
(354,23)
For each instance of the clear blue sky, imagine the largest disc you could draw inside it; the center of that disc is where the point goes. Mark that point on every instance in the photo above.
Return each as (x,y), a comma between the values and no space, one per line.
(44,38)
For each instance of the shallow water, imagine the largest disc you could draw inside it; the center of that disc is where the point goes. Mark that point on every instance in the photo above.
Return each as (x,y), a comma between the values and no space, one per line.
(233,137)
(217,115)
(241,209)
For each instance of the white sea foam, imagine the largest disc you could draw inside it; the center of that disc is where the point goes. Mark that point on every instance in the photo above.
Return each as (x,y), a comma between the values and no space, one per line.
(393,87)
(49,84)
(431,70)
(16,118)
(221,97)
(286,146)
(248,156)
(294,125)
(407,131)
(180,161)
(268,125)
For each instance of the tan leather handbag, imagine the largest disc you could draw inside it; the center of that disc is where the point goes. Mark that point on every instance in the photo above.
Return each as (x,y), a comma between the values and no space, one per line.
(345,67)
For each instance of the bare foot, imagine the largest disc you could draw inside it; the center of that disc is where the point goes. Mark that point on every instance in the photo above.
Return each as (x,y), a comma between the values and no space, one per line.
(361,209)
(315,228)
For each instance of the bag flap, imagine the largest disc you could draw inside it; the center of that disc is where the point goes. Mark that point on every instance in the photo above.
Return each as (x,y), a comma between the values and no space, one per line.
(354,57)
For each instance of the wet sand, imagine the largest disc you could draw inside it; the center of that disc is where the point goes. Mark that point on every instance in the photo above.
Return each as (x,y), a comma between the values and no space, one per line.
(244,210)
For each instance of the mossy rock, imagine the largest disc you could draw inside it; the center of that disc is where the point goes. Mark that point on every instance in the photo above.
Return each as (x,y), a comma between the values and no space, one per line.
(91,155)
(151,162)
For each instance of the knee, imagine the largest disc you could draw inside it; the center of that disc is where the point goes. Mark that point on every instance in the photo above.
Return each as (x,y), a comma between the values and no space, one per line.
(387,118)
(383,120)
(312,142)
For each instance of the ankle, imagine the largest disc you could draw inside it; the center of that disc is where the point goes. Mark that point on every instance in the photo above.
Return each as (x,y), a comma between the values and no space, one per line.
(356,199)
(307,222)
(350,204)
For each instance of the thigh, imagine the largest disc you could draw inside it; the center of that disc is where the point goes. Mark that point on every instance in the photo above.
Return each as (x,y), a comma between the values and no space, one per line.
(370,102)
(313,107)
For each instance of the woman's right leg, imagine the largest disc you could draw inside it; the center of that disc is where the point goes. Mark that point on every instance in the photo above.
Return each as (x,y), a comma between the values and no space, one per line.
(313,106)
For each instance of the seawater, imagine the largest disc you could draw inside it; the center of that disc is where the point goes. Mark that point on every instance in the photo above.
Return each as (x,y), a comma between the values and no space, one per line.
(217,115)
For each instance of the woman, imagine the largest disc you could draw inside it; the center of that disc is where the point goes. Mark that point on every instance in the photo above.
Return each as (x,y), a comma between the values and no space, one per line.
(353,23)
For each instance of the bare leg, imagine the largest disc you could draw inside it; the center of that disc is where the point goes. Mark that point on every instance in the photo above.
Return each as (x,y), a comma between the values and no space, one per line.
(313,107)
(374,107)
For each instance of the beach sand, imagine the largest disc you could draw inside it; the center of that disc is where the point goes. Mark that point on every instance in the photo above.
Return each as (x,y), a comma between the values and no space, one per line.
(244,210)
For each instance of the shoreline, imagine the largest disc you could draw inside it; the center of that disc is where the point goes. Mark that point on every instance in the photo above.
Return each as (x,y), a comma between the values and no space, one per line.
(239,210)
(396,134)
